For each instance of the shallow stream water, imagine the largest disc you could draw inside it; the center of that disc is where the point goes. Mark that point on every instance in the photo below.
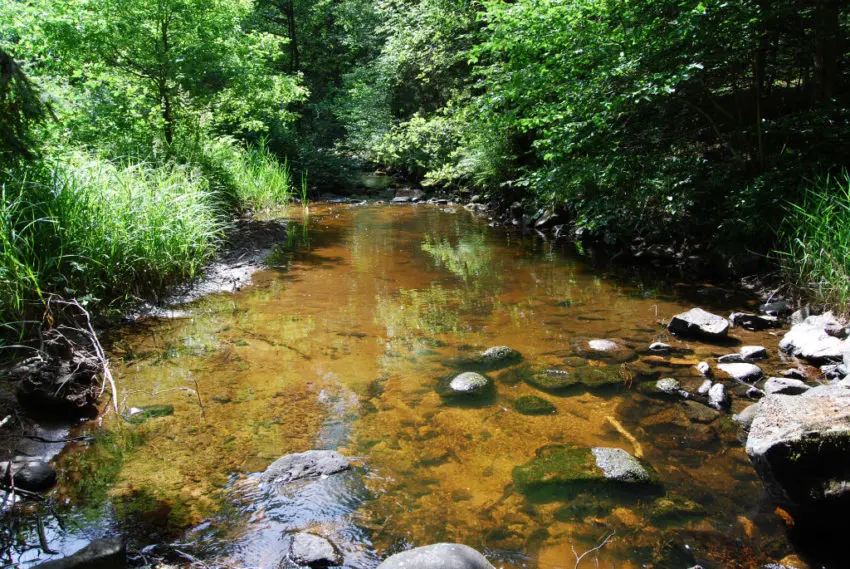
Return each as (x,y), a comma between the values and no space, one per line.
(341,345)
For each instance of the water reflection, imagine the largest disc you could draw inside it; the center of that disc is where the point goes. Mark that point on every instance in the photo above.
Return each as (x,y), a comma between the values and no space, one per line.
(343,345)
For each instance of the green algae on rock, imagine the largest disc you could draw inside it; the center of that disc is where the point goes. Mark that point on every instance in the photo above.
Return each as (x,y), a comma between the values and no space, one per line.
(674,507)
(534,405)
(141,414)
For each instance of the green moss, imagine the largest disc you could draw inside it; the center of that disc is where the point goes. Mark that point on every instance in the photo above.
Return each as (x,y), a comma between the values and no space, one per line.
(673,507)
(598,376)
(534,405)
(515,375)
(556,466)
(551,380)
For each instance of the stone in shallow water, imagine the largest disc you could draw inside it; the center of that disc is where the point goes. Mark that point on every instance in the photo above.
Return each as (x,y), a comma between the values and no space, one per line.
(534,405)
(717,396)
(551,380)
(698,322)
(753,352)
(437,556)
(660,347)
(742,371)
(699,413)
(785,385)
(313,551)
(309,464)
(603,349)
(669,386)
(500,354)
(564,466)
(468,383)
(673,507)
(107,553)
(28,473)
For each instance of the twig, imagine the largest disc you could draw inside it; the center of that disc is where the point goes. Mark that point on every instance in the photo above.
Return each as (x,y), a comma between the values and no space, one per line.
(627,435)
(42,539)
(589,551)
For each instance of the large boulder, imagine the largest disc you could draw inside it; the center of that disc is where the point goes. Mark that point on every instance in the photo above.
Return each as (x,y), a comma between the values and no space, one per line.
(437,556)
(698,322)
(573,468)
(99,554)
(800,448)
(309,464)
(811,340)
(312,550)
(28,473)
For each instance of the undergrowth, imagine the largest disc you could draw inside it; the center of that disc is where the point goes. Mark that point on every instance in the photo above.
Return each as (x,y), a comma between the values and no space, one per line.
(816,238)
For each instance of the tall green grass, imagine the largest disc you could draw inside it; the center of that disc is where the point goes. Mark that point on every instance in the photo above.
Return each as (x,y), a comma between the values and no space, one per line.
(816,238)
(83,226)
(245,178)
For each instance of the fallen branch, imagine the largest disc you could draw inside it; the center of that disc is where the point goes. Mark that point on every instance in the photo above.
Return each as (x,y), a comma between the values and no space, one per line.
(627,435)
(589,551)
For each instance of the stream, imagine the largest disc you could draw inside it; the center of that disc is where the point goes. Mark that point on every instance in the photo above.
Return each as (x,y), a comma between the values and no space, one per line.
(341,345)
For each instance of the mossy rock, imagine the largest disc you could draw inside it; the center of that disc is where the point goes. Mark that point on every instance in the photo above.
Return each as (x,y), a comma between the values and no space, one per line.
(560,471)
(599,376)
(534,405)
(583,507)
(142,414)
(551,380)
(674,508)
(493,358)
(615,351)
(515,375)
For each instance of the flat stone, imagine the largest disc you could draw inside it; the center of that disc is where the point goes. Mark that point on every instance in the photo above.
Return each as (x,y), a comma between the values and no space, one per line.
(309,464)
(754,321)
(313,551)
(753,352)
(699,413)
(731,359)
(742,371)
(784,385)
(401,199)
(669,386)
(99,554)
(437,556)
(698,322)
(800,448)
(603,349)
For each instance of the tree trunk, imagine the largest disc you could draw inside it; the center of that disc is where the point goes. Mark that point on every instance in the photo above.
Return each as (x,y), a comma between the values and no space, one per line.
(827,47)
(164,72)
(293,40)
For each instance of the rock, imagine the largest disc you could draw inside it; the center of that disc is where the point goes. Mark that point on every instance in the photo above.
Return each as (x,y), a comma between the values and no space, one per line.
(753,321)
(698,322)
(753,352)
(704,369)
(809,340)
(309,464)
(674,507)
(28,473)
(833,372)
(704,387)
(99,554)
(501,355)
(617,464)
(793,374)
(777,308)
(754,393)
(534,405)
(660,348)
(745,417)
(437,556)
(669,386)
(551,380)
(800,448)
(574,468)
(731,359)
(601,349)
(742,372)
(591,377)
(466,384)
(401,199)
(785,386)
(717,396)
(699,413)
(313,551)
(141,414)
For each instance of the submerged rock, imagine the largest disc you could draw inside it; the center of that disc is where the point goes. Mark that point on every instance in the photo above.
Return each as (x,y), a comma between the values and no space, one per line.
(490,359)
(141,414)
(466,384)
(742,371)
(698,322)
(800,448)
(699,413)
(437,556)
(313,551)
(309,464)
(672,507)
(534,405)
(28,473)
(573,467)
(99,554)
(601,349)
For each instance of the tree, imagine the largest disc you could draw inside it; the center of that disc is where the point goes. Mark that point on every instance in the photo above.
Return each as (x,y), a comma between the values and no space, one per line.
(20,107)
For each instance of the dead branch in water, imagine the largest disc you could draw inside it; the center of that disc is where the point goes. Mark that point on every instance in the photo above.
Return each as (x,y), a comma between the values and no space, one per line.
(592,550)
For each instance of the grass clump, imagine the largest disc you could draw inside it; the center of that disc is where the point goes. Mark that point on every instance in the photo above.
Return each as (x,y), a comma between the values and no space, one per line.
(816,237)
(80,225)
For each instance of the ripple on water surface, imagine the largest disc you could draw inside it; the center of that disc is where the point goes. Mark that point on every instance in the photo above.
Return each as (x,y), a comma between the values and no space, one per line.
(343,346)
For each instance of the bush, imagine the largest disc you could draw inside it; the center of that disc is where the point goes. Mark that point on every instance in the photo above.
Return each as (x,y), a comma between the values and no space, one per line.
(816,235)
